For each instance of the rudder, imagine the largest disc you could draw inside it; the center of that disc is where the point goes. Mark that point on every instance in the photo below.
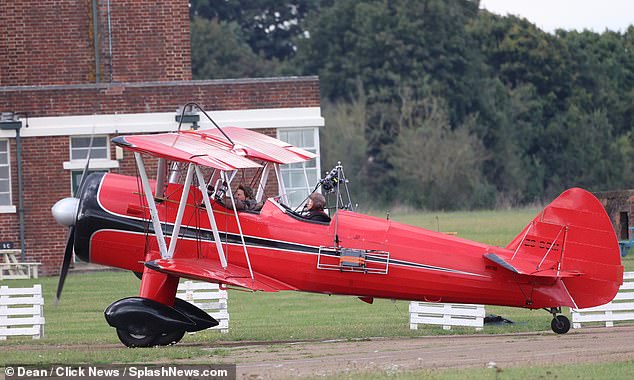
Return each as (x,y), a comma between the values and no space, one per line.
(572,240)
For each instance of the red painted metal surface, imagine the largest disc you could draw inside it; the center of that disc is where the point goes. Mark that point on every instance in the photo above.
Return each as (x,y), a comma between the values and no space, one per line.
(423,265)
(210,148)
(259,146)
(190,148)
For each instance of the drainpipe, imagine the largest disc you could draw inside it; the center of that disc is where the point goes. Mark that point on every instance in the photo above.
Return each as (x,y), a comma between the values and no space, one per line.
(110,41)
(18,143)
(95,32)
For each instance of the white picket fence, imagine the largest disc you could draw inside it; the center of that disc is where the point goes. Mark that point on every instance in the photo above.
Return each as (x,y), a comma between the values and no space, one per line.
(619,309)
(208,297)
(20,307)
(446,314)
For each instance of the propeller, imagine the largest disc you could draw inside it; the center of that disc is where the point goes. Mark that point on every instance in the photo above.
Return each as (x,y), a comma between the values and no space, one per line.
(68,255)
(65,212)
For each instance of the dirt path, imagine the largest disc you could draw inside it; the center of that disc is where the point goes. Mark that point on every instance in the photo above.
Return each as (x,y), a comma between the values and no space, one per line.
(329,358)
(274,360)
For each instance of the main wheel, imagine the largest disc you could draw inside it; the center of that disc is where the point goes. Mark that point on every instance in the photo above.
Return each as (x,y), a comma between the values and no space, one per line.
(169,338)
(136,340)
(560,324)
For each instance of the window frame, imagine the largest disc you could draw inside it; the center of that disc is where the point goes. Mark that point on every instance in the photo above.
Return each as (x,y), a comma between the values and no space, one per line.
(8,208)
(96,164)
(317,167)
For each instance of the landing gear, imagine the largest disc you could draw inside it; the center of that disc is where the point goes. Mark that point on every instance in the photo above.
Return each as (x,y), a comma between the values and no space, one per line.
(156,318)
(135,340)
(140,340)
(142,322)
(167,339)
(560,323)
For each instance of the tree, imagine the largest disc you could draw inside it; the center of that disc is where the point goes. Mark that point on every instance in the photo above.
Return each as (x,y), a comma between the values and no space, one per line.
(439,167)
(218,51)
(388,46)
(519,53)
(582,151)
(540,111)
(269,26)
(343,140)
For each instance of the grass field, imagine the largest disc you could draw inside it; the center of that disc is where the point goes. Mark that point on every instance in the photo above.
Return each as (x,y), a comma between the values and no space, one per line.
(78,328)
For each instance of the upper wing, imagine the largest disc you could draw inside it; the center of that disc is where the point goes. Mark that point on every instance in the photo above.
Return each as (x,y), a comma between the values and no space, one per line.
(210,148)
(186,147)
(212,271)
(259,146)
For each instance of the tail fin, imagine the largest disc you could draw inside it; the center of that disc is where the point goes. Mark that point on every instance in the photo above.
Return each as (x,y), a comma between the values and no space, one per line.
(572,240)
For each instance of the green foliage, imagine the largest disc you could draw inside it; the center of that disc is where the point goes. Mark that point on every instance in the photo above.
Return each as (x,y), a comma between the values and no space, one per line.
(219,51)
(524,113)
(345,132)
(437,166)
(270,26)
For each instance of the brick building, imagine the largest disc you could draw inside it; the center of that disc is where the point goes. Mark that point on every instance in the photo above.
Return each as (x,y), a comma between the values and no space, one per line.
(72,69)
(620,207)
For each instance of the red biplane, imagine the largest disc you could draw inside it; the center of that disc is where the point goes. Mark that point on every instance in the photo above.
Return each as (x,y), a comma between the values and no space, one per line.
(176,226)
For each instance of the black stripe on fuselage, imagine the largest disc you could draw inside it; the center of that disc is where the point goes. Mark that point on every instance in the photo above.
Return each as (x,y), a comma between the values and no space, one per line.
(96,217)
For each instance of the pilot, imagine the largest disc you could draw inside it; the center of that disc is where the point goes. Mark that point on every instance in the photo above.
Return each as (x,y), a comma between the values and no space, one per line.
(314,208)
(244,199)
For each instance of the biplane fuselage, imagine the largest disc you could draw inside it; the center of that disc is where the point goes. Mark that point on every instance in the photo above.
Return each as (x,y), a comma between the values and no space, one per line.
(287,253)
(169,229)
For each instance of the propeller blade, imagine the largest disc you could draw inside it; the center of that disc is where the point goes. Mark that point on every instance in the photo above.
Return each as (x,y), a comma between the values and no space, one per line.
(68,255)
(83,174)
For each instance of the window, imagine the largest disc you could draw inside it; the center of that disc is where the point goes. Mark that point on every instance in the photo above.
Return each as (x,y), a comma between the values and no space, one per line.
(79,147)
(5,174)
(300,183)
(99,157)
(75,178)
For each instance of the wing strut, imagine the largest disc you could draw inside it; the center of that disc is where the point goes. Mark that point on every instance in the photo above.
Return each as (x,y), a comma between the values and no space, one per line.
(262,184)
(145,183)
(280,184)
(181,211)
(161,172)
(212,219)
(235,212)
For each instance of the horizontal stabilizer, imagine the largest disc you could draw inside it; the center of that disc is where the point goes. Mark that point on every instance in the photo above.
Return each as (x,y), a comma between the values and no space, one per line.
(521,267)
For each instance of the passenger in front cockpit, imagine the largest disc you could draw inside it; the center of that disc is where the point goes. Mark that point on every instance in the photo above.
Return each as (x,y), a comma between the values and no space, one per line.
(314,208)
(244,199)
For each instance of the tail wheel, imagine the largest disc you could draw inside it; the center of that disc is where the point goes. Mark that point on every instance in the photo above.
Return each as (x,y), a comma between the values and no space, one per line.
(135,340)
(169,338)
(560,324)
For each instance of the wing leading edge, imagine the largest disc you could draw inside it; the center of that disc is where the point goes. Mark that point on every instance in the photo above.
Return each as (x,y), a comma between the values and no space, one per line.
(211,271)
(210,148)
(187,148)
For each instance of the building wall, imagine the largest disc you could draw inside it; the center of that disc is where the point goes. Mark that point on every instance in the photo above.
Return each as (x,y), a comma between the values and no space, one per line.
(138,62)
(90,99)
(620,207)
(52,41)
(45,42)
(45,179)
(145,40)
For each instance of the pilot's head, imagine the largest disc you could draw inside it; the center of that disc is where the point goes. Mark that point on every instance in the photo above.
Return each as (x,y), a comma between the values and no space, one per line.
(244,192)
(316,201)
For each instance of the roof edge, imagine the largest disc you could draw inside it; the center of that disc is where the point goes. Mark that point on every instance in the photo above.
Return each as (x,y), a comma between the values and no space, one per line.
(103,86)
